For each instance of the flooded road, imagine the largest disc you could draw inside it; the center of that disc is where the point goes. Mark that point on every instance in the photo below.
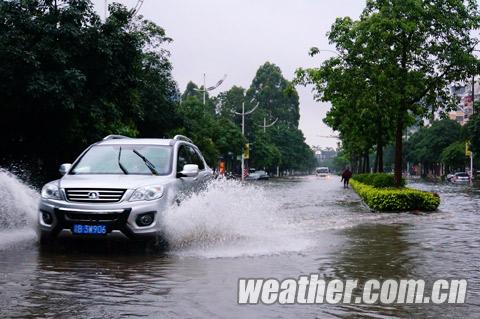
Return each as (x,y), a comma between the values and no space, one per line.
(278,229)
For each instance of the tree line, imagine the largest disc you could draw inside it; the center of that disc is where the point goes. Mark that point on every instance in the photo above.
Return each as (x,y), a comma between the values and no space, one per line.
(392,70)
(441,148)
(69,78)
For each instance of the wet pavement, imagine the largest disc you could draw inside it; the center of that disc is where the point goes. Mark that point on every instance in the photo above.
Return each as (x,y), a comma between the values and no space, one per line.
(280,229)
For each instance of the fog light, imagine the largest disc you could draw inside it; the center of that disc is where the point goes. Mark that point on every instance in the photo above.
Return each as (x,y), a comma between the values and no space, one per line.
(145,219)
(47,218)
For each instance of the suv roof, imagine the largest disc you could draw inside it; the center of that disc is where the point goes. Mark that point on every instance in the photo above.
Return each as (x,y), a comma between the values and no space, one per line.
(119,140)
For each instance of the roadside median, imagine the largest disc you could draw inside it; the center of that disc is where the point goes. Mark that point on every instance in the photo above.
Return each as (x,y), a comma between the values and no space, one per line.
(378,193)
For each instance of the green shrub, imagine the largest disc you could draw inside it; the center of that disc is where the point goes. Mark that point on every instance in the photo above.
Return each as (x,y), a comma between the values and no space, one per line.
(395,199)
(379,180)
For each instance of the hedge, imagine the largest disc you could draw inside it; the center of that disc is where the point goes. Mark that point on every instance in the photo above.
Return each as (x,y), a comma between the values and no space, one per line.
(396,199)
(378,179)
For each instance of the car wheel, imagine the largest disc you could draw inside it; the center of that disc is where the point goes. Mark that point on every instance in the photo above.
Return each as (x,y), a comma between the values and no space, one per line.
(45,238)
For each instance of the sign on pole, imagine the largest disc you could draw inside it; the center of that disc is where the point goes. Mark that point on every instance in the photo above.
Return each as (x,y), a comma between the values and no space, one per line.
(468,152)
(246,151)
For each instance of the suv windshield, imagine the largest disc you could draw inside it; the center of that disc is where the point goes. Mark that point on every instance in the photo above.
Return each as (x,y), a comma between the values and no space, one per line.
(125,159)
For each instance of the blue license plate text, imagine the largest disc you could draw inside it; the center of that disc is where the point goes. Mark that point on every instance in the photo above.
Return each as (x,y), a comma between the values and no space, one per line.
(89,229)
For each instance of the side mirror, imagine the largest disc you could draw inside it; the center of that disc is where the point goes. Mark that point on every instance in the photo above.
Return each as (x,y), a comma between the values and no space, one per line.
(189,170)
(64,168)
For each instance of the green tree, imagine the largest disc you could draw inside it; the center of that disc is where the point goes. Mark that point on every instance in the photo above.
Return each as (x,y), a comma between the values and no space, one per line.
(67,79)
(276,96)
(283,144)
(473,132)
(453,156)
(229,102)
(428,144)
(358,110)
(420,47)
(214,135)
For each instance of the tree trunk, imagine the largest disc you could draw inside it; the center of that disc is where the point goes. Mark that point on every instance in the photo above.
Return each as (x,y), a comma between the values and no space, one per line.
(367,163)
(380,158)
(375,164)
(379,155)
(398,150)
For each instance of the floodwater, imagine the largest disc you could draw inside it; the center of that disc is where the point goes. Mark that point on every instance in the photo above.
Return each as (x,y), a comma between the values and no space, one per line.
(279,229)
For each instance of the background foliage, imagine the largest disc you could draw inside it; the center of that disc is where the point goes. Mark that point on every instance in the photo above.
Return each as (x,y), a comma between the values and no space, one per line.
(67,79)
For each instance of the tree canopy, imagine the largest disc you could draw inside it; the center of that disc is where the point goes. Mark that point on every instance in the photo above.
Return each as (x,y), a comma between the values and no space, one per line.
(404,55)
(67,79)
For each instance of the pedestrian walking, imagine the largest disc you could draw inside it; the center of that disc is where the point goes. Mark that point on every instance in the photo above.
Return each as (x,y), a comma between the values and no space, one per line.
(346,175)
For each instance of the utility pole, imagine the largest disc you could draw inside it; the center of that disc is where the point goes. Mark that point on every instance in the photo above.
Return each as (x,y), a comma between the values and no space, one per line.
(473,112)
(243,130)
(211,88)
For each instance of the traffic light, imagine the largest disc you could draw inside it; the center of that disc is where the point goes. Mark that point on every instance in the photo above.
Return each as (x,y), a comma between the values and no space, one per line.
(246,151)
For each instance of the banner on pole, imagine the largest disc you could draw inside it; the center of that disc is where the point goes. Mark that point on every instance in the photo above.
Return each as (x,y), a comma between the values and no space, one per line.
(468,152)
(246,151)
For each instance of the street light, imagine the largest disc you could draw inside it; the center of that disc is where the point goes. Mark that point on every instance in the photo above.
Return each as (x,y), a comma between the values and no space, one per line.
(211,88)
(138,6)
(329,136)
(265,126)
(136,9)
(315,50)
(243,113)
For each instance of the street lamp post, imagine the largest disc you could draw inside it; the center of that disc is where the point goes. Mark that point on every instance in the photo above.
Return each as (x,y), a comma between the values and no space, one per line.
(243,130)
(211,88)
(265,126)
(473,112)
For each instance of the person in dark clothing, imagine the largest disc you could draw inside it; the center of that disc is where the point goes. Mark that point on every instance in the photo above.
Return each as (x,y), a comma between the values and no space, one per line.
(346,175)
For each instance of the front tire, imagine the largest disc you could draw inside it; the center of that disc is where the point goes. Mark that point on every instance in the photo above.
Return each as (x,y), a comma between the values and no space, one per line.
(45,237)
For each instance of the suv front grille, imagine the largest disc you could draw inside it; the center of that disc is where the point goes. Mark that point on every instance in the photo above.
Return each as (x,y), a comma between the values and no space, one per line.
(75,216)
(85,195)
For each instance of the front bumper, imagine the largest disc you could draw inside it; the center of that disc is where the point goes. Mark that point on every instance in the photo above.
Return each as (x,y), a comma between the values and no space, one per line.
(119,216)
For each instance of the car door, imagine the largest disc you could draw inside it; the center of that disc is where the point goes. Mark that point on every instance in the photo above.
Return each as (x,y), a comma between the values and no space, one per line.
(187,184)
(205,173)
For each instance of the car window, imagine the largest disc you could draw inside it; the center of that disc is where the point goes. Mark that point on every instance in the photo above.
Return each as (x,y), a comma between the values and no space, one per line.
(184,157)
(188,155)
(197,159)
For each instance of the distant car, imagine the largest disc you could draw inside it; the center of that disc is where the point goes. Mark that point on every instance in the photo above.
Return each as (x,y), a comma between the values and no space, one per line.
(460,177)
(258,175)
(322,171)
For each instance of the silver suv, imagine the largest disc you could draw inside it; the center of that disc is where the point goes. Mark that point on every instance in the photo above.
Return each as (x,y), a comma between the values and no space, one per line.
(121,184)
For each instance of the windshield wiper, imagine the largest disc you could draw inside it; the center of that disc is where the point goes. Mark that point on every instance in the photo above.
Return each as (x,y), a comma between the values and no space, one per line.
(149,164)
(124,170)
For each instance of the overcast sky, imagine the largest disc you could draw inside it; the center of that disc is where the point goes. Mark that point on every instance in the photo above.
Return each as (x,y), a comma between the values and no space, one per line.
(235,37)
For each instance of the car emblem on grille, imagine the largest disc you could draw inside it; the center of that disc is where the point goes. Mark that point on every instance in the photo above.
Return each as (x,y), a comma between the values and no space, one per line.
(93,195)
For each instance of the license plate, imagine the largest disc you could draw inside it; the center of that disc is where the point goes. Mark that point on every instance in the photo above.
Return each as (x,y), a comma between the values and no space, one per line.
(89,229)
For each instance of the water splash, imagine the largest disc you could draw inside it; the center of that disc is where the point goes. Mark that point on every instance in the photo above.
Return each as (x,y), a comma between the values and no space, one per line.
(18,207)
(229,219)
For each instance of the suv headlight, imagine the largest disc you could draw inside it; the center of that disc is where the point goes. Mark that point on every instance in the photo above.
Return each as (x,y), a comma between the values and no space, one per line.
(51,191)
(147,193)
